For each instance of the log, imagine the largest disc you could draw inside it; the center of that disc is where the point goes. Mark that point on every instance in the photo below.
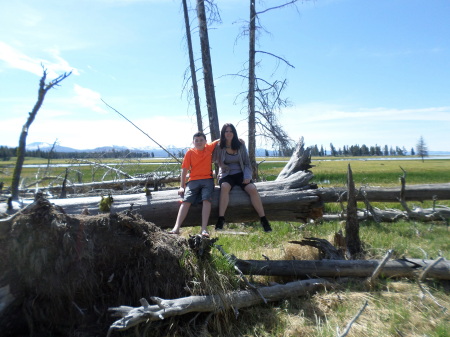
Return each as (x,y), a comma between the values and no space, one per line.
(119,184)
(344,268)
(392,194)
(168,308)
(281,203)
(292,199)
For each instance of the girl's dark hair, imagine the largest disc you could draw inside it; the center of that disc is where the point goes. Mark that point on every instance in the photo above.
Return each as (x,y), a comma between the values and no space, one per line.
(235,142)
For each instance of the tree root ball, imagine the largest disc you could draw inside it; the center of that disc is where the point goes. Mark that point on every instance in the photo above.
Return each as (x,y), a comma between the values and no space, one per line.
(64,272)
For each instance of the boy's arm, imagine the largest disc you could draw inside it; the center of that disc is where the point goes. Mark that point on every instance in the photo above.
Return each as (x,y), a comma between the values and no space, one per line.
(184,172)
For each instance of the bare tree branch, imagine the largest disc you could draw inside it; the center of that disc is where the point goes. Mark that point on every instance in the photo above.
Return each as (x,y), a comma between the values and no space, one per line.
(277,7)
(162,147)
(276,56)
(43,89)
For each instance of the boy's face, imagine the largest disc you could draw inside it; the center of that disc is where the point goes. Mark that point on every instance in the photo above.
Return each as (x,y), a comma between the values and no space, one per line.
(199,143)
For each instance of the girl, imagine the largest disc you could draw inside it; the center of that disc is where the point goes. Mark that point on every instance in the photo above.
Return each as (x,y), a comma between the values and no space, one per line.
(234,169)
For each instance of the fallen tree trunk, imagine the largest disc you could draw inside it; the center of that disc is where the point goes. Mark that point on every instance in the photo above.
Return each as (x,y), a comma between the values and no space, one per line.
(213,303)
(393,215)
(391,194)
(343,268)
(119,184)
(290,200)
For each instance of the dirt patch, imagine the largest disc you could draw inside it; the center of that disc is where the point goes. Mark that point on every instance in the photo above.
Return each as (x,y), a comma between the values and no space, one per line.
(65,271)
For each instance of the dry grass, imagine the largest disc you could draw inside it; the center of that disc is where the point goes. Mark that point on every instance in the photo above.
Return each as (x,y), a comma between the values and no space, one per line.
(395,307)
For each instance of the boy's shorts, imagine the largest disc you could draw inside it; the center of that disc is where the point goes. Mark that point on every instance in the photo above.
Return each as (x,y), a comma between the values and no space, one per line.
(198,190)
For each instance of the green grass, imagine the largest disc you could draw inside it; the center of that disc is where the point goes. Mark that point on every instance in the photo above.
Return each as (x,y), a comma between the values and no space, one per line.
(330,172)
(396,307)
(380,172)
(80,172)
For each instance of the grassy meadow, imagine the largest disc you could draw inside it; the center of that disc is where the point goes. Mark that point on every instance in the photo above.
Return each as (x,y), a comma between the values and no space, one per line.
(327,173)
(396,307)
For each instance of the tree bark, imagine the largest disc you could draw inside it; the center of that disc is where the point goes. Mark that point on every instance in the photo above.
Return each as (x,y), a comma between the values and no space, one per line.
(213,303)
(292,199)
(207,71)
(343,268)
(119,184)
(43,89)
(352,239)
(198,111)
(299,161)
(282,202)
(251,91)
(391,194)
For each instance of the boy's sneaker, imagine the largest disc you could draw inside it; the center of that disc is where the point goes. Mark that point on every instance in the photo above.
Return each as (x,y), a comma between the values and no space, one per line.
(220,223)
(265,224)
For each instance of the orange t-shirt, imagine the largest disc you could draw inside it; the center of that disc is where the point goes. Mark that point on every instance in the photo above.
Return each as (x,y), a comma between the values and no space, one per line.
(199,162)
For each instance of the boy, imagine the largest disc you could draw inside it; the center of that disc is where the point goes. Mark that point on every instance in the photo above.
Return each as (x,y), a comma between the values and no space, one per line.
(201,183)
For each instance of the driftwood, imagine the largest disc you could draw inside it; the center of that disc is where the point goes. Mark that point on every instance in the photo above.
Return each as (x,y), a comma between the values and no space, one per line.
(344,268)
(119,184)
(292,198)
(214,303)
(108,167)
(161,207)
(299,161)
(349,325)
(440,213)
(391,194)
(393,215)
(371,280)
(326,249)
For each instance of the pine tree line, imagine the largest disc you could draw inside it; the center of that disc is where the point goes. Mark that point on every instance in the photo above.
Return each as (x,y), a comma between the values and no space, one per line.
(6,153)
(363,150)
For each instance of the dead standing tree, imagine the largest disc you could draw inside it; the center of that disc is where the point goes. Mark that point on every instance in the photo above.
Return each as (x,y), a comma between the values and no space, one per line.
(43,89)
(263,97)
(352,239)
(198,111)
(207,68)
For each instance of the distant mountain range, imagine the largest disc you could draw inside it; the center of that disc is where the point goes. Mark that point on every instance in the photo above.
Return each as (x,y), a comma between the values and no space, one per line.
(158,152)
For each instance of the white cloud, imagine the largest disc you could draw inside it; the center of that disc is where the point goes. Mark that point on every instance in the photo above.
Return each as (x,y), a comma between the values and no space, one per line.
(14,58)
(325,124)
(317,112)
(88,98)
(88,134)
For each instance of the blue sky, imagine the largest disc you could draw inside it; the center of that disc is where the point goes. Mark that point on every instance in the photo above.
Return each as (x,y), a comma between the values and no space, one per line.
(366,72)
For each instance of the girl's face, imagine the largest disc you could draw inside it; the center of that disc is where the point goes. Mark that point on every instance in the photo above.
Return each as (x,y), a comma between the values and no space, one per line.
(229,133)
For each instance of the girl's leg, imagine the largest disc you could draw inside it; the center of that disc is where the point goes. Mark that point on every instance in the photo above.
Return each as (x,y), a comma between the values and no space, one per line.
(224,198)
(255,199)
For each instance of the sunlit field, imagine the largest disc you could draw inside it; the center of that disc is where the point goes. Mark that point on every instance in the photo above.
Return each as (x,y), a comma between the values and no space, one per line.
(327,172)
(396,307)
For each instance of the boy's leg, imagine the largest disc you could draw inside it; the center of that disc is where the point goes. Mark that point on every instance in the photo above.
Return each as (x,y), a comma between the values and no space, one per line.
(206,211)
(182,213)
